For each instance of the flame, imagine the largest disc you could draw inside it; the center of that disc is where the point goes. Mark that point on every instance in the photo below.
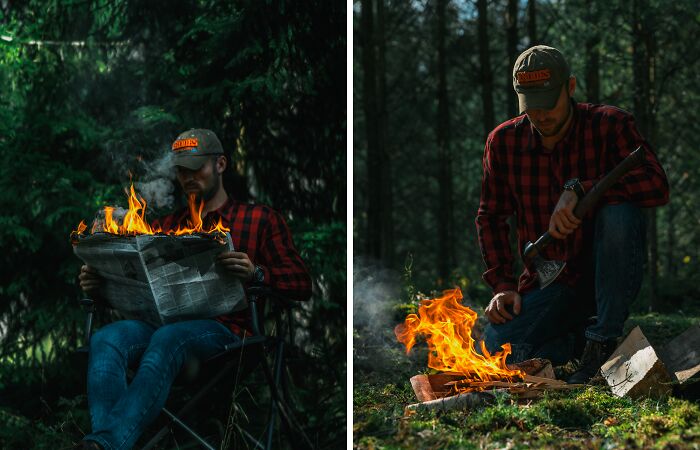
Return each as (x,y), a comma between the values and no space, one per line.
(134,221)
(447,325)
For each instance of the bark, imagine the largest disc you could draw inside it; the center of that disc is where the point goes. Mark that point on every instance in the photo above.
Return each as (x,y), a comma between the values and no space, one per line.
(379,195)
(485,66)
(643,60)
(387,211)
(532,22)
(445,217)
(593,70)
(511,22)
(671,265)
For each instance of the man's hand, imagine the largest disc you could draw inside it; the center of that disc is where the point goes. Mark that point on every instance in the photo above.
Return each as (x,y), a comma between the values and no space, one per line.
(563,222)
(90,281)
(238,263)
(496,311)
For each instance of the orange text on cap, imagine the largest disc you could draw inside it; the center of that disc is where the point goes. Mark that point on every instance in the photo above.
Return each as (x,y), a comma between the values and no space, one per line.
(533,77)
(183,144)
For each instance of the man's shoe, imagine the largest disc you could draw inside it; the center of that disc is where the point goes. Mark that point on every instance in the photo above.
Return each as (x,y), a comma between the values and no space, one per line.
(594,355)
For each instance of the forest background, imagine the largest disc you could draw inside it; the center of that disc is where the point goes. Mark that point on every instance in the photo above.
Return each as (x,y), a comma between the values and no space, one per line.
(431,79)
(93,93)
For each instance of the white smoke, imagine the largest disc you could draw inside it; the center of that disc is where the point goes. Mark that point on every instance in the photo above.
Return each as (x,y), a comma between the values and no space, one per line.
(375,291)
(156,185)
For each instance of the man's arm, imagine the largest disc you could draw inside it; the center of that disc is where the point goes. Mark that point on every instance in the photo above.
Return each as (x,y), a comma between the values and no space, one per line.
(646,185)
(492,228)
(280,262)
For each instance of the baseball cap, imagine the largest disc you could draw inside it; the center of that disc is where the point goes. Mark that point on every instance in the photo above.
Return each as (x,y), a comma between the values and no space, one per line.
(538,75)
(191,147)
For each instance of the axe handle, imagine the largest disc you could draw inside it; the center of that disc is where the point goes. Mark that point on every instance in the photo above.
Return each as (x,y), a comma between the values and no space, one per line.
(591,198)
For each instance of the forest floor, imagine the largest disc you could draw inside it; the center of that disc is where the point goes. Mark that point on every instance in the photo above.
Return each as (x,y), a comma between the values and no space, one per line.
(589,417)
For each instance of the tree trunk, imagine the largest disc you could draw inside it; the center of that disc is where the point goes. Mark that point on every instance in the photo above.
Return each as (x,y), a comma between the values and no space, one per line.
(672,267)
(387,185)
(511,22)
(485,66)
(592,74)
(592,70)
(379,225)
(653,235)
(532,22)
(643,70)
(445,214)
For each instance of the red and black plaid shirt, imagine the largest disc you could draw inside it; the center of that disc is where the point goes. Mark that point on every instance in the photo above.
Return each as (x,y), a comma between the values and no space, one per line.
(261,233)
(525,179)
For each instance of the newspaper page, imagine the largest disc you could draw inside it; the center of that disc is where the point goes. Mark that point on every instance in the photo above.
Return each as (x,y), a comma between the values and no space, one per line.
(163,279)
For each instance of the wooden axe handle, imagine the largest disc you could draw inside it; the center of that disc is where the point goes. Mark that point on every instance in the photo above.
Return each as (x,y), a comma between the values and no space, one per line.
(591,198)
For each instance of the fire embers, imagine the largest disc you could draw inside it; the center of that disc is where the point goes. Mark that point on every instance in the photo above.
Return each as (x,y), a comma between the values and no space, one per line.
(134,221)
(447,326)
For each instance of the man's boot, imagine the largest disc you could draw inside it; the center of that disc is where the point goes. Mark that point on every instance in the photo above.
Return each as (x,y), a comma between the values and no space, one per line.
(594,355)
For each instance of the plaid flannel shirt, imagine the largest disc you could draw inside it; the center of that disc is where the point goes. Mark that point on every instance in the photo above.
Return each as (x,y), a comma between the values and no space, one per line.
(261,233)
(523,178)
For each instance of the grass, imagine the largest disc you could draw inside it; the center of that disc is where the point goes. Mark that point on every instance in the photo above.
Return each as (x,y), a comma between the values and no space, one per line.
(585,418)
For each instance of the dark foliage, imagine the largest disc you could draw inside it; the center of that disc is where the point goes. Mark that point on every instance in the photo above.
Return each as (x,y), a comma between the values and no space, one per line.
(94,91)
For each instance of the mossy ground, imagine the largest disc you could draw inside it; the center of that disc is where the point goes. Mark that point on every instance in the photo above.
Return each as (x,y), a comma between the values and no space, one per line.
(590,417)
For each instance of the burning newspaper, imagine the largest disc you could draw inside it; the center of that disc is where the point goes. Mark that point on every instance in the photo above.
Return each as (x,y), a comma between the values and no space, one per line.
(163,278)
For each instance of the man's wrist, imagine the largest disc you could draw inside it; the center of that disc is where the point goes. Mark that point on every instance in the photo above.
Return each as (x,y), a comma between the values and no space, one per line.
(575,186)
(258,274)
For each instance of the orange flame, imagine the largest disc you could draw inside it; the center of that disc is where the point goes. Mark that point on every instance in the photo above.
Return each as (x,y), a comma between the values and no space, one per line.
(134,221)
(447,325)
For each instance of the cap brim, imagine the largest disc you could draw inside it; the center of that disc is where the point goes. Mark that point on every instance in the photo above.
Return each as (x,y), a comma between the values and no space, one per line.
(538,99)
(189,161)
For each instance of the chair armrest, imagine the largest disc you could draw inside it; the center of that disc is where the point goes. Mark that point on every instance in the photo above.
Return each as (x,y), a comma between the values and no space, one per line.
(260,290)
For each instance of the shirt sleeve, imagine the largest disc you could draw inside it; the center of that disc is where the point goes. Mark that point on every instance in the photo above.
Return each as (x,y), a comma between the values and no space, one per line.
(495,206)
(646,185)
(281,263)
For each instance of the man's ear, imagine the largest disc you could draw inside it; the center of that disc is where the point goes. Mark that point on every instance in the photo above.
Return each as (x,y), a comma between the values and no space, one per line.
(221,164)
(572,85)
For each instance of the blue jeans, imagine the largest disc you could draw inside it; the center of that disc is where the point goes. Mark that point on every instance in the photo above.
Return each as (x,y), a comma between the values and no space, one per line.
(120,412)
(548,318)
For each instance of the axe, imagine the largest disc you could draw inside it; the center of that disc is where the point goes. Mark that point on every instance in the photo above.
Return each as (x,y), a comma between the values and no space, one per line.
(548,271)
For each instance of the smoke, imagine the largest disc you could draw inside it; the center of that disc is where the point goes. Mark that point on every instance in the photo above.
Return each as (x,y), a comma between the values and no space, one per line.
(375,291)
(156,184)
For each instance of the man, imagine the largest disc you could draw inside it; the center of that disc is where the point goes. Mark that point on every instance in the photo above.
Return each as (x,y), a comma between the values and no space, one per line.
(264,253)
(537,166)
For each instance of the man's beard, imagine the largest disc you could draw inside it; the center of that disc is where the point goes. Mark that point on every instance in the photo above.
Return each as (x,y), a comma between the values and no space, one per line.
(209,192)
(558,128)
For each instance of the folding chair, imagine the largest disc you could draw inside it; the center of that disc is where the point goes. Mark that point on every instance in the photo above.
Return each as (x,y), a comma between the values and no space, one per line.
(273,343)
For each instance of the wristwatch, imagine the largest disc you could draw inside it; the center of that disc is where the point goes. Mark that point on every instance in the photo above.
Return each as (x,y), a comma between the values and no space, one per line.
(574,185)
(258,274)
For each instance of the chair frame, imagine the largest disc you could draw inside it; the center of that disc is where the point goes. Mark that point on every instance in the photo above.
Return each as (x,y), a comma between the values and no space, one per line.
(273,375)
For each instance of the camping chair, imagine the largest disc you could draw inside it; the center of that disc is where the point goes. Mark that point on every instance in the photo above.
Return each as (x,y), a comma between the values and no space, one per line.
(272,343)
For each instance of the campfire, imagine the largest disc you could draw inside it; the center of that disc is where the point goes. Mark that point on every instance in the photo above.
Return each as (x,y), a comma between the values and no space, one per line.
(447,327)
(134,221)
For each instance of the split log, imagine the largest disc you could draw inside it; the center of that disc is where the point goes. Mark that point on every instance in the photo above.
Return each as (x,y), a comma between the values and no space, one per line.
(682,354)
(635,369)
(682,358)
(536,366)
(469,400)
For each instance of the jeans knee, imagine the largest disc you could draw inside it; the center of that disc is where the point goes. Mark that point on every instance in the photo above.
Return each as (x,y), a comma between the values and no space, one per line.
(620,224)
(620,217)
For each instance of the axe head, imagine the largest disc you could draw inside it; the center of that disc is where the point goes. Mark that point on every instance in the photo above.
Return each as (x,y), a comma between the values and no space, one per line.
(547,271)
